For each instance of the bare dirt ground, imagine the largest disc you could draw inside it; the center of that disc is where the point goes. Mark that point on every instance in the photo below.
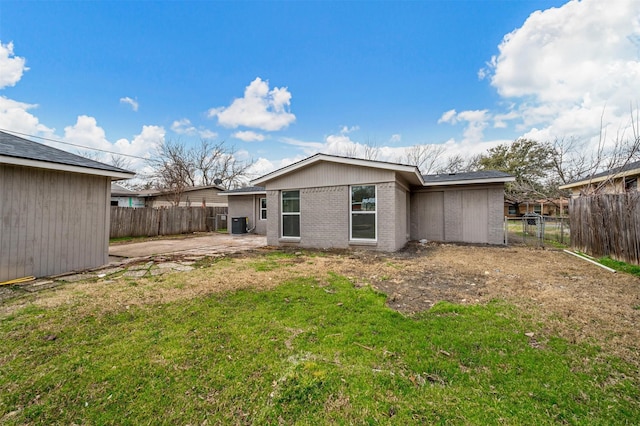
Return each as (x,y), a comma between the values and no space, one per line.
(570,297)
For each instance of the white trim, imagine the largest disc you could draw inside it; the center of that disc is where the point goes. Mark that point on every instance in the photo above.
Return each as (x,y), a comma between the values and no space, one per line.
(243,193)
(611,176)
(471,181)
(65,167)
(340,160)
(282,213)
(351,213)
(260,208)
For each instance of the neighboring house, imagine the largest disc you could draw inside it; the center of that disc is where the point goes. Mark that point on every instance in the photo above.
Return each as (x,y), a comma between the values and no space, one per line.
(54,209)
(556,208)
(123,197)
(195,196)
(327,201)
(614,181)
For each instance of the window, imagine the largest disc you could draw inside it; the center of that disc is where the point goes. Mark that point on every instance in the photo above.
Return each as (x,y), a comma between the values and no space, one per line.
(263,209)
(363,212)
(291,214)
(631,184)
(512,210)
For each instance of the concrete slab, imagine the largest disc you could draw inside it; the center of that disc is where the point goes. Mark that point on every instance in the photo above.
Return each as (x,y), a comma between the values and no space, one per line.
(201,245)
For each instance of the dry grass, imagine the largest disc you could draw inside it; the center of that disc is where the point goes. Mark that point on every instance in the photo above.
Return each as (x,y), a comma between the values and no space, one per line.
(572,298)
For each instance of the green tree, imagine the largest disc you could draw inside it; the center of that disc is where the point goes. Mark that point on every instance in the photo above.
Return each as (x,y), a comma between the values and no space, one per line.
(531,163)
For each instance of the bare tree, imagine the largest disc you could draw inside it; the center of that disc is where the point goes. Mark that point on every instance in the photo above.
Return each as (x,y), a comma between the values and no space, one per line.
(459,163)
(426,157)
(120,162)
(371,150)
(175,167)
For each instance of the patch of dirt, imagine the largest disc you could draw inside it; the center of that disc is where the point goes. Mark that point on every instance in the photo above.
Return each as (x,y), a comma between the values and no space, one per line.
(570,297)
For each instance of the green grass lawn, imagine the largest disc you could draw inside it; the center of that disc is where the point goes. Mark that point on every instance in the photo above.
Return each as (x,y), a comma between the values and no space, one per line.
(303,354)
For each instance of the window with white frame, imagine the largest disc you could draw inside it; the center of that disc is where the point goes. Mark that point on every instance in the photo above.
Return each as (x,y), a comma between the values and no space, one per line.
(363,212)
(291,214)
(263,209)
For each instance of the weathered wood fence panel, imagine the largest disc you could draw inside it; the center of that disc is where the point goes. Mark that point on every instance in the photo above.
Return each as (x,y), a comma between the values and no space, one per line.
(150,222)
(607,225)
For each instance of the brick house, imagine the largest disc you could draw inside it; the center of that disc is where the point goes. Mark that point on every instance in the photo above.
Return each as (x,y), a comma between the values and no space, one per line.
(326,201)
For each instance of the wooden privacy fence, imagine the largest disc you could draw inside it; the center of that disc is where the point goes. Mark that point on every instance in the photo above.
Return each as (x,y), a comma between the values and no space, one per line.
(607,225)
(150,222)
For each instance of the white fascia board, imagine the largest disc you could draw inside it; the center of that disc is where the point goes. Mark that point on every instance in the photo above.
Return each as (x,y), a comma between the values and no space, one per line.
(471,181)
(65,168)
(340,160)
(584,182)
(243,193)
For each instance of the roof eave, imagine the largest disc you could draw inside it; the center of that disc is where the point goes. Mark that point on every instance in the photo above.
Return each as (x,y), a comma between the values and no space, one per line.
(114,175)
(244,193)
(340,160)
(599,179)
(471,181)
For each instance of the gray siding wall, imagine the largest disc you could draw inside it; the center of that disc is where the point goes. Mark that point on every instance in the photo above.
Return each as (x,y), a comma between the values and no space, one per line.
(52,222)
(324,218)
(248,206)
(331,174)
(192,199)
(470,214)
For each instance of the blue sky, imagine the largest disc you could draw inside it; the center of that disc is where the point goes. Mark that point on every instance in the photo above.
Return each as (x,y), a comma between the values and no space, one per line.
(283,80)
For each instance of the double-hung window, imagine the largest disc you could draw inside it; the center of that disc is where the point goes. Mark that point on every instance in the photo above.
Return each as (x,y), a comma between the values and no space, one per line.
(263,209)
(363,212)
(291,214)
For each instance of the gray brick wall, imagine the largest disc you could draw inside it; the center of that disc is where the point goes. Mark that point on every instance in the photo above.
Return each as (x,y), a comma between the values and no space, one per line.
(496,215)
(324,221)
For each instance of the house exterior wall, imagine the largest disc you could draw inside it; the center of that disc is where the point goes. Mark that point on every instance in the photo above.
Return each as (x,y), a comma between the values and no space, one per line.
(127,201)
(52,222)
(331,174)
(248,206)
(325,218)
(210,197)
(472,214)
(559,207)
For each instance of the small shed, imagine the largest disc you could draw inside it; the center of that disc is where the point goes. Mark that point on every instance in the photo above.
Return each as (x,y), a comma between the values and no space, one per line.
(54,209)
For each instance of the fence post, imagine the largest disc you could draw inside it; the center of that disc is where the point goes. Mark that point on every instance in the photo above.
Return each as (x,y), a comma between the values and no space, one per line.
(506,231)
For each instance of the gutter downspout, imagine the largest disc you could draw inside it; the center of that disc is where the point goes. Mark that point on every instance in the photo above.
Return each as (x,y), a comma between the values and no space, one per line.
(254,216)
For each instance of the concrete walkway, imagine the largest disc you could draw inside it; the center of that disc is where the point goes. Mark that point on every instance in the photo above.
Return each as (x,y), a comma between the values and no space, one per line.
(206,245)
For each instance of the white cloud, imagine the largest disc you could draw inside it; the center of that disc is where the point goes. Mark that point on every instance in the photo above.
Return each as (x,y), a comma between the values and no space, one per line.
(15,116)
(448,117)
(248,136)
(477,121)
(127,100)
(260,108)
(11,67)
(184,127)
(86,132)
(568,67)
(262,166)
(396,138)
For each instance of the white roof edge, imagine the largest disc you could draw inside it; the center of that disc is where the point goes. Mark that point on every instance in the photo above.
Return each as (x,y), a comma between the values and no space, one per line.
(341,160)
(472,181)
(584,182)
(244,193)
(65,167)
